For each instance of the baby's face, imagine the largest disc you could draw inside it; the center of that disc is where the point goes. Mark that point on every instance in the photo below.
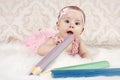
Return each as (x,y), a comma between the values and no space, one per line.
(71,23)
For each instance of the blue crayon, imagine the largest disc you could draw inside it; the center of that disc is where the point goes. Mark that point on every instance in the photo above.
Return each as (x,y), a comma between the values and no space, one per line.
(85,73)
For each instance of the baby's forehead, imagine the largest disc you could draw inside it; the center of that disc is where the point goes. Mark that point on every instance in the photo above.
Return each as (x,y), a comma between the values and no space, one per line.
(73,14)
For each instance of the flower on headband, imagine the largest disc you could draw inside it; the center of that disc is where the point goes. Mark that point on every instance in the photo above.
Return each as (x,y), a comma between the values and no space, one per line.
(63,12)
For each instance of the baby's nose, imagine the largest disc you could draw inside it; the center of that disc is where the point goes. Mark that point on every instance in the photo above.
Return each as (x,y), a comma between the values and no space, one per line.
(71,26)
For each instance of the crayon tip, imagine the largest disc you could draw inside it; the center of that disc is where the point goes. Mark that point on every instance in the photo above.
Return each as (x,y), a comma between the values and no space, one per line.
(31,74)
(36,71)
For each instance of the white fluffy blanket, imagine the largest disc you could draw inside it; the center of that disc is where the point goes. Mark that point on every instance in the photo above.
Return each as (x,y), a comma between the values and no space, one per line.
(16,62)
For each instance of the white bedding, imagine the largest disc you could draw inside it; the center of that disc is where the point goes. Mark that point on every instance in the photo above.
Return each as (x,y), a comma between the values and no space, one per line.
(16,62)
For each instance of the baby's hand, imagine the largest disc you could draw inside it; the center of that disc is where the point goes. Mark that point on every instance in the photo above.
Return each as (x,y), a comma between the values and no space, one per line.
(86,55)
(59,40)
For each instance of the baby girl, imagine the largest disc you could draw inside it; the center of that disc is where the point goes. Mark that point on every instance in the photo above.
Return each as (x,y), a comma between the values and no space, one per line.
(71,20)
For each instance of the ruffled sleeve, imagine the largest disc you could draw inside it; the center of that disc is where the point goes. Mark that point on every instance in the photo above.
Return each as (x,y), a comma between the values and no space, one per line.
(38,38)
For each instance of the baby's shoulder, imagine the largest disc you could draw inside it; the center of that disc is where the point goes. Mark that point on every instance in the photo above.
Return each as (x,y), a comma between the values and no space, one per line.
(47,32)
(43,32)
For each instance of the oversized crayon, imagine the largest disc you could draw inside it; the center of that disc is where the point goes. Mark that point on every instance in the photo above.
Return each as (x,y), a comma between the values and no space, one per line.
(85,73)
(51,55)
(92,65)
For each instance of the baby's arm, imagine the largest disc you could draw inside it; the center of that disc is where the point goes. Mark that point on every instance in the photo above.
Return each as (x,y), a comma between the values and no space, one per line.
(46,47)
(83,51)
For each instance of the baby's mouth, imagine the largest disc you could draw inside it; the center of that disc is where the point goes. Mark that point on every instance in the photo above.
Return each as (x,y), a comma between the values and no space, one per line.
(69,32)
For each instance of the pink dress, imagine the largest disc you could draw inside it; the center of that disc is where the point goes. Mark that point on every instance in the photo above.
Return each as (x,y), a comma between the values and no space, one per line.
(38,38)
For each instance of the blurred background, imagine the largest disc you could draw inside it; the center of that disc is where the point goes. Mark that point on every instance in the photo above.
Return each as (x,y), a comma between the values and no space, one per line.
(20,18)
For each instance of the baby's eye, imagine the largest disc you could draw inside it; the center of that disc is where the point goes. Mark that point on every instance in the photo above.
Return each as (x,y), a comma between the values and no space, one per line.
(67,21)
(77,23)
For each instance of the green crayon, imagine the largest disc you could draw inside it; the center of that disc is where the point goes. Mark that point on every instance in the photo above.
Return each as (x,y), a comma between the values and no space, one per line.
(92,65)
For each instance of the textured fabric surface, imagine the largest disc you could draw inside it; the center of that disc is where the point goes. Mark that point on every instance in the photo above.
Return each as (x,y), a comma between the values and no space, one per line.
(16,62)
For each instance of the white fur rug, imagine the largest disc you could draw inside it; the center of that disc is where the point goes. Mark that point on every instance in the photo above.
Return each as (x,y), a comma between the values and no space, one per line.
(16,62)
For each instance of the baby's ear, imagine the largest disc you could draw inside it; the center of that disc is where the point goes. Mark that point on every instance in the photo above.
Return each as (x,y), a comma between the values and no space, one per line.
(82,29)
(57,24)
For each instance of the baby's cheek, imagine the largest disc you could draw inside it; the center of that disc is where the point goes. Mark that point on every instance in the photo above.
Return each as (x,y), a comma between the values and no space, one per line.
(78,31)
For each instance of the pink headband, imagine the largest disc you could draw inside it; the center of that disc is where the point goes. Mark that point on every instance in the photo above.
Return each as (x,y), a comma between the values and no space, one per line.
(65,11)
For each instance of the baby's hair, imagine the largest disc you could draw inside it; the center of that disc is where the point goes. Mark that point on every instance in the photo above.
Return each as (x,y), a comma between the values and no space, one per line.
(74,8)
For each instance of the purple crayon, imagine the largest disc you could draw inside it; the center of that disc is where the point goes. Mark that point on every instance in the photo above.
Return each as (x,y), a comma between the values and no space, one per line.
(51,55)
